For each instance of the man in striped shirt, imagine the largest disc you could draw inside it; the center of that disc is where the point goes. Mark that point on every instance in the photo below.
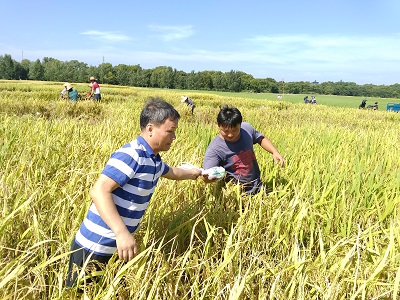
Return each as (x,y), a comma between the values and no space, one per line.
(123,190)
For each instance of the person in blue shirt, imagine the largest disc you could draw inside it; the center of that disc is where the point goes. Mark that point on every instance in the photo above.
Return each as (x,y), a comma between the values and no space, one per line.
(123,190)
(73,95)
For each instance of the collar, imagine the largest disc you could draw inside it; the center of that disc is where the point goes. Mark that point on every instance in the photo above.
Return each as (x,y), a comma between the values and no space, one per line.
(142,141)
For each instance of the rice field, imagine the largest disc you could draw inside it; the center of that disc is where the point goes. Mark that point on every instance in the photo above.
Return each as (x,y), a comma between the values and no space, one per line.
(327,228)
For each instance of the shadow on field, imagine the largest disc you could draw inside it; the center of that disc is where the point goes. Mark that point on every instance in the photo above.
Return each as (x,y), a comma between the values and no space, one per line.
(203,213)
(271,184)
(199,214)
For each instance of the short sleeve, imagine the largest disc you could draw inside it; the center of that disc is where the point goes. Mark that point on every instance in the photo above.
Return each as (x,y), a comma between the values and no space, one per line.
(211,158)
(121,167)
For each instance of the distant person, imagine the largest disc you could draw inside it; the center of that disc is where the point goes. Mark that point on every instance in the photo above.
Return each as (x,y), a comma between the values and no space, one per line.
(189,102)
(306,100)
(123,190)
(374,107)
(64,91)
(233,150)
(73,95)
(313,100)
(363,104)
(94,89)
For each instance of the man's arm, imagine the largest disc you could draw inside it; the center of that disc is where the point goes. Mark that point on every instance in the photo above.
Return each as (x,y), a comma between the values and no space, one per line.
(210,160)
(267,145)
(102,198)
(175,173)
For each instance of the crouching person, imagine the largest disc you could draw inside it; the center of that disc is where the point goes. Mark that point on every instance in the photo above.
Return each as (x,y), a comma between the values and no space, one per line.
(73,95)
(189,102)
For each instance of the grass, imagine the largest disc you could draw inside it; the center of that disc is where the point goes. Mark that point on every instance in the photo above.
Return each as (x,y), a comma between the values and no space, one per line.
(328,228)
(329,100)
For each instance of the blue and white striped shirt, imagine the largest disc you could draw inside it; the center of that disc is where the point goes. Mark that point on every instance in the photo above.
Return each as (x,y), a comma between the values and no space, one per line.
(136,169)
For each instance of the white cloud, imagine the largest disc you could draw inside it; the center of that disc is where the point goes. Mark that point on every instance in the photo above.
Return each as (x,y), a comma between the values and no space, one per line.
(333,49)
(171,33)
(107,36)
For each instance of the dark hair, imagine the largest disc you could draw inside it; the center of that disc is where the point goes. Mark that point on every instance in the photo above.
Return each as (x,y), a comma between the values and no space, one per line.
(157,111)
(229,117)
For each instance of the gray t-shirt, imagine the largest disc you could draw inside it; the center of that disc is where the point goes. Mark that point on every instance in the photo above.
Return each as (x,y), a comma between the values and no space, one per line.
(237,158)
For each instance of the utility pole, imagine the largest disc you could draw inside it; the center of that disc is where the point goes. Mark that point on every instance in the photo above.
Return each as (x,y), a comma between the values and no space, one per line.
(102,74)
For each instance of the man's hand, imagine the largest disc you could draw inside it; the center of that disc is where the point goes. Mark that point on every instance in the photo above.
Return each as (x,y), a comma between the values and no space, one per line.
(126,245)
(207,179)
(266,144)
(278,159)
(102,199)
(195,173)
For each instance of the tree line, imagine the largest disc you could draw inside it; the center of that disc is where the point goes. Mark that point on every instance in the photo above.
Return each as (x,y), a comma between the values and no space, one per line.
(51,69)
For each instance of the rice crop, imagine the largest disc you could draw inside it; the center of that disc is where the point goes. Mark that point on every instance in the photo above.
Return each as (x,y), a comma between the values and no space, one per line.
(327,227)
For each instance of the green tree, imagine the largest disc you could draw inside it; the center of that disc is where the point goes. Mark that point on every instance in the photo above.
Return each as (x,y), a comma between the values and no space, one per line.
(191,81)
(22,69)
(204,81)
(75,71)
(7,67)
(219,81)
(137,76)
(92,71)
(233,81)
(106,73)
(36,71)
(327,88)
(54,70)
(122,74)
(162,77)
(180,79)
(166,77)
(245,80)
(144,78)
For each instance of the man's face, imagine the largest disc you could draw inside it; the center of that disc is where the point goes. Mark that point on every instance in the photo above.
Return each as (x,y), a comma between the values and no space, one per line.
(230,134)
(162,136)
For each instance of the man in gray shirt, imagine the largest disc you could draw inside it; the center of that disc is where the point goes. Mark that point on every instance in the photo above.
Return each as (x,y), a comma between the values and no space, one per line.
(233,149)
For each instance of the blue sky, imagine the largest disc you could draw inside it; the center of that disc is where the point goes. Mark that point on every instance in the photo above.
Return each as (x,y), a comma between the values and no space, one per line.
(352,40)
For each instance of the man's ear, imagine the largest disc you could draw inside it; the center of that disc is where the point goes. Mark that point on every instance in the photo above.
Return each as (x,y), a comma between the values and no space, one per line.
(149,129)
